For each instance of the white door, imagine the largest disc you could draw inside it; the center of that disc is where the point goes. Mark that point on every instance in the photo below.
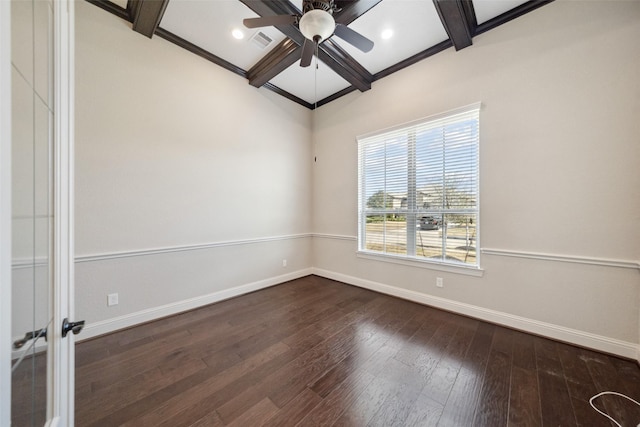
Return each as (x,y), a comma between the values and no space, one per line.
(40,268)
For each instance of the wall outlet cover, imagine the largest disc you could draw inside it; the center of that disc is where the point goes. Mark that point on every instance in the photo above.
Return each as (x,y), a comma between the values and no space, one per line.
(112,299)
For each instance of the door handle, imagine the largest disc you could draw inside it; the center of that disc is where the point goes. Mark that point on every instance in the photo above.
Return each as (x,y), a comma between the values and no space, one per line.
(30,336)
(74,327)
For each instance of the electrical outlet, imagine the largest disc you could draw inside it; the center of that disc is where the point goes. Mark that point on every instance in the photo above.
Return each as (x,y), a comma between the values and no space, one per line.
(284,262)
(112,299)
(439,282)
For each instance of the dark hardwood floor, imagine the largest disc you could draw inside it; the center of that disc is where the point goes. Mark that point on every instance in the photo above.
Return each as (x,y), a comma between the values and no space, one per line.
(318,352)
(29,392)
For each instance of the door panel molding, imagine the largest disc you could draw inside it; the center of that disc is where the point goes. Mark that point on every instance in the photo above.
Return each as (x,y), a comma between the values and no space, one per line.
(5,213)
(61,393)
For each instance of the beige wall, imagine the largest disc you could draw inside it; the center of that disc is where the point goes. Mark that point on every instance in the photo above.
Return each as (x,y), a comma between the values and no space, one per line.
(189,181)
(559,173)
(192,185)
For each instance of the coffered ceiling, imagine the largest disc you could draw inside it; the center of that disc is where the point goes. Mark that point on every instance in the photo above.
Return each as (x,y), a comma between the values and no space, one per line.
(403,31)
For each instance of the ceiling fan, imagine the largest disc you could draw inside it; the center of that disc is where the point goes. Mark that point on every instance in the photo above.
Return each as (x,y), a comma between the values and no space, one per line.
(317,25)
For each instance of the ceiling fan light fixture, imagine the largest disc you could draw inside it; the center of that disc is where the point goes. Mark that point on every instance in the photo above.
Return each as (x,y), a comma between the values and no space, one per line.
(317,25)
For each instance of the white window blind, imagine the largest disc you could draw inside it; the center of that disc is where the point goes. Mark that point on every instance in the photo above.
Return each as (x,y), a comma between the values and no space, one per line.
(418,189)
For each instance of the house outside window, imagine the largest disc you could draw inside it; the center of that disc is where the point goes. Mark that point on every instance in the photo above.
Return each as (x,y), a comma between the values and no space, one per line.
(418,190)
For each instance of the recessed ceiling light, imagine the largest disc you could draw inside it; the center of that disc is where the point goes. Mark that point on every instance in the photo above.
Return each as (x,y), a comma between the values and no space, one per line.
(237,34)
(386,34)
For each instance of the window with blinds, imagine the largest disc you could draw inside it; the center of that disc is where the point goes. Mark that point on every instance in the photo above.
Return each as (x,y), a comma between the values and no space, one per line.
(418,189)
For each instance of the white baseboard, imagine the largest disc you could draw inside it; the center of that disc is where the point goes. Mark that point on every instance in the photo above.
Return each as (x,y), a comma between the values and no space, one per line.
(95,329)
(573,336)
(597,342)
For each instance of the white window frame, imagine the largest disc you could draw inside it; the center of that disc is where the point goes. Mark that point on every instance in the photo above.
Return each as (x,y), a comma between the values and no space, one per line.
(412,211)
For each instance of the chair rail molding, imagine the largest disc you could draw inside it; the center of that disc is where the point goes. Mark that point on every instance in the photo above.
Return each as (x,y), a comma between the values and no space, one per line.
(186,248)
(576,259)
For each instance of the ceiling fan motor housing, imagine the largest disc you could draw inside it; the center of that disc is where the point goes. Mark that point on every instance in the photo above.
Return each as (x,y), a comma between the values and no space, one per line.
(326,5)
(317,24)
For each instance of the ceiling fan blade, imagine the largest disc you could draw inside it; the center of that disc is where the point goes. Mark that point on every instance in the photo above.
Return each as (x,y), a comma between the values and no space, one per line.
(307,53)
(353,38)
(266,21)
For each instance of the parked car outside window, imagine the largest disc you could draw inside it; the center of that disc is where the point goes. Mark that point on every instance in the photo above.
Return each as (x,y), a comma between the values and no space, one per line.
(429,223)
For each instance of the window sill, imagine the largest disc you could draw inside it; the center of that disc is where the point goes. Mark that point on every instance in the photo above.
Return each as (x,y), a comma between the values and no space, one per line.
(414,262)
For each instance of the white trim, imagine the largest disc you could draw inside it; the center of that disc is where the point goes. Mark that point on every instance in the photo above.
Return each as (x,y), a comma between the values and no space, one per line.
(560,333)
(54,422)
(183,248)
(92,330)
(442,115)
(603,262)
(61,354)
(21,263)
(428,264)
(39,346)
(5,213)
(335,236)
(563,258)
(411,262)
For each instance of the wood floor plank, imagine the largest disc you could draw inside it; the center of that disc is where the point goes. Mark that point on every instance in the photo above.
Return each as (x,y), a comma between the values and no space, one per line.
(579,380)
(425,412)
(258,415)
(365,406)
(429,348)
(110,399)
(493,408)
(547,358)
(524,403)
(326,327)
(339,399)
(209,388)
(503,341)
(555,401)
(210,420)
(295,410)
(275,334)
(374,355)
(396,407)
(586,416)
(631,374)
(442,378)
(523,351)
(554,392)
(414,347)
(606,378)
(332,378)
(460,407)
(131,362)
